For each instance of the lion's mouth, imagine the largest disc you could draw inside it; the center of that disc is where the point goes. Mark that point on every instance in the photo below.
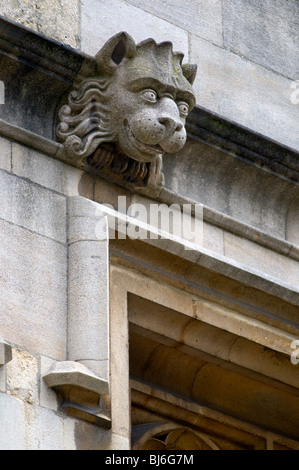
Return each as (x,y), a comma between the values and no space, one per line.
(141,146)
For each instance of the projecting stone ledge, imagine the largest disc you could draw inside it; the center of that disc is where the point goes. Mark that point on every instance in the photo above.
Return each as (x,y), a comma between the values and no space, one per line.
(79,391)
(5,352)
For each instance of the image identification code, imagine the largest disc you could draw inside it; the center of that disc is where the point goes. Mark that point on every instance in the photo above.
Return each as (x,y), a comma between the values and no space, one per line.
(150,459)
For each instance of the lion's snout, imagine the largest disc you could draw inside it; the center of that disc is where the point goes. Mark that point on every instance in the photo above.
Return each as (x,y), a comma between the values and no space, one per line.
(166,132)
(160,125)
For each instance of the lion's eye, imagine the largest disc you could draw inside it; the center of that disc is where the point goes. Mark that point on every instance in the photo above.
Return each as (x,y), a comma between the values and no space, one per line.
(183,108)
(149,95)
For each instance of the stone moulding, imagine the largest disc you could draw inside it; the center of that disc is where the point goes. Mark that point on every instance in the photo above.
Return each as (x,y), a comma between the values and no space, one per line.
(79,391)
(249,146)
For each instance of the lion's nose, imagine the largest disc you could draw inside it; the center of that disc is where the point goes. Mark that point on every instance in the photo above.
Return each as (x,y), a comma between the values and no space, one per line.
(169,115)
(170,123)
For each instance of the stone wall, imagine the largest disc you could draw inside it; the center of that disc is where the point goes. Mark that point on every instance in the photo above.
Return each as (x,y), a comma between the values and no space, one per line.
(33,302)
(246,56)
(246,51)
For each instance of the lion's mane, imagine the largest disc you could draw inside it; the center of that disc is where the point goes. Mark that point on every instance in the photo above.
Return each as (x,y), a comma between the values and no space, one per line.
(84,120)
(85,131)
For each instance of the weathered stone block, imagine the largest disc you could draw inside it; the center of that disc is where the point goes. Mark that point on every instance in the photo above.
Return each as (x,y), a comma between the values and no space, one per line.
(244,92)
(32,207)
(5,154)
(255,197)
(55,18)
(5,352)
(45,171)
(213,238)
(12,423)
(28,427)
(97,13)
(264,32)
(22,377)
(292,222)
(47,396)
(33,287)
(201,17)
(263,260)
(44,429)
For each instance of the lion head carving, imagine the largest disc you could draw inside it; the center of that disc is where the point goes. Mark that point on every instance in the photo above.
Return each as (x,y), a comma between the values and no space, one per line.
(131,112)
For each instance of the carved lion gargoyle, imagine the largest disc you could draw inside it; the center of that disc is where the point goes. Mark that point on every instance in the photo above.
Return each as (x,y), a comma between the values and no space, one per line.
(123,119)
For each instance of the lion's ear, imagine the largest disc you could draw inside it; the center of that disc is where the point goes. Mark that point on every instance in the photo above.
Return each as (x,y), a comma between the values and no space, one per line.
(114,50)
(189,72)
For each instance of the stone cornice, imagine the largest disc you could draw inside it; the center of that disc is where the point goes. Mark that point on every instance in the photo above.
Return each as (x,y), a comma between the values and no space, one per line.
(36,72)
(208,127)
(44,69)
(40,52)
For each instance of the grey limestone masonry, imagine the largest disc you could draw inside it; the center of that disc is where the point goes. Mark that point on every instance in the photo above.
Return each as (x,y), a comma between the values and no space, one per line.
(244,92)
(58,19)
(54,269)
(202,18)
(43,170)
(33,207)
(246,52)
(32,233)
(5,154)
(258,199)
(33,301)
(264,32)
(129,19)
(25,426)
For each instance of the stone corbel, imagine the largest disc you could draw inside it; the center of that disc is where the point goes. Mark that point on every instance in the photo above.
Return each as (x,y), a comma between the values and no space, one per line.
(80,392)
(5,352)
(121,120)
(82,381)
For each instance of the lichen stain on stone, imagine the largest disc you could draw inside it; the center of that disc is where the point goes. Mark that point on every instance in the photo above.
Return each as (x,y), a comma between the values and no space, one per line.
(22,374)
